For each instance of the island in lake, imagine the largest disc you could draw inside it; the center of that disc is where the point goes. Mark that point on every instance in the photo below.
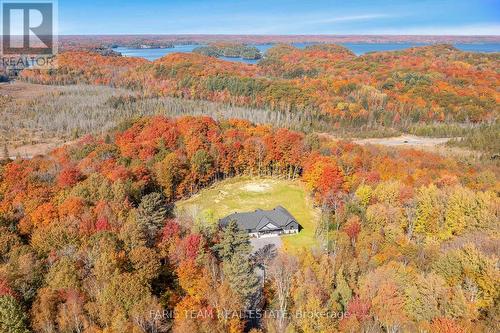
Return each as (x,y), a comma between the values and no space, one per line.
(229,50)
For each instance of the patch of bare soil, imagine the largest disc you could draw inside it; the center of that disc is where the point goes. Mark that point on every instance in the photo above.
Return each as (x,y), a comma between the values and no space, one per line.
(31,150)
(257,187)
(434,145)
(405,141)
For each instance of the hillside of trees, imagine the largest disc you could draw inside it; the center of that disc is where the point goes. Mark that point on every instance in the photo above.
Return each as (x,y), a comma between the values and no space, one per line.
(89,241)
(393,89)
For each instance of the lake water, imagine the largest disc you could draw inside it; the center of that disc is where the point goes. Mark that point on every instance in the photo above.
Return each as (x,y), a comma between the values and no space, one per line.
(357,48)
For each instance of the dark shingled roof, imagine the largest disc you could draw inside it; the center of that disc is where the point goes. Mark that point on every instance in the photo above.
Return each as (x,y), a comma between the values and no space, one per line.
(256,220)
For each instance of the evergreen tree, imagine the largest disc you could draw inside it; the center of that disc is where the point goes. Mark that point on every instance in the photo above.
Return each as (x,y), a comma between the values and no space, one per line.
(241,276)
(234,250)
(202,162)
(233,241)
(151,214)
(12,317)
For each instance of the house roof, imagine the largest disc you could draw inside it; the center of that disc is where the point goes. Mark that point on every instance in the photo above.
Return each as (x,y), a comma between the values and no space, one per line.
(260,219)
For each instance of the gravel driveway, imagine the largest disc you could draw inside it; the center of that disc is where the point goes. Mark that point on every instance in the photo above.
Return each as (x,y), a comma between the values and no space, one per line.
(258,243)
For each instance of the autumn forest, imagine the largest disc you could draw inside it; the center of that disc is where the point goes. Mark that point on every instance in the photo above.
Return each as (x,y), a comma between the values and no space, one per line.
(405,239)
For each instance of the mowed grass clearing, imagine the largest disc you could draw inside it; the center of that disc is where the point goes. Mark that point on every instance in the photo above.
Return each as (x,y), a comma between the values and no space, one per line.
(247,194)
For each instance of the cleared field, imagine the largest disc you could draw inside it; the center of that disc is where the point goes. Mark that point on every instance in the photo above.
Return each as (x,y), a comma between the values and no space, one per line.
(245,194)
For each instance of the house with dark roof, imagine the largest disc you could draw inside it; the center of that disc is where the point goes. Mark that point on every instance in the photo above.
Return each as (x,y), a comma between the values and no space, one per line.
(264,222)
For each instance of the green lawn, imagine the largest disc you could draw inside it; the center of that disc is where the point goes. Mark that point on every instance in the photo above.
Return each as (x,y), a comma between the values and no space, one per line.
(247,194)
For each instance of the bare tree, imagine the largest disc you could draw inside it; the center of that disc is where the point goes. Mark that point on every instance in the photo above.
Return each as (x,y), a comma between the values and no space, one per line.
(6,155)
(263,257)
(281,273)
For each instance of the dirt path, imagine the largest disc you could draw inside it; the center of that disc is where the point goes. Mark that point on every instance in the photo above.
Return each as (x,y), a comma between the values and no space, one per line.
(434,145)
(404,141)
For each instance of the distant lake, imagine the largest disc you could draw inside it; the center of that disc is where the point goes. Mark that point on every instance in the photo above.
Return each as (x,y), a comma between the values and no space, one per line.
(357,48)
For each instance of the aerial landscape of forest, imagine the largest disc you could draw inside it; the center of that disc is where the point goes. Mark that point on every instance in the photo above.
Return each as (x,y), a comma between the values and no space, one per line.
(272,167)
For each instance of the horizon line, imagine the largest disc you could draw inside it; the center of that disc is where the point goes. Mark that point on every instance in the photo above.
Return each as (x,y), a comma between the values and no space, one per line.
(273,35)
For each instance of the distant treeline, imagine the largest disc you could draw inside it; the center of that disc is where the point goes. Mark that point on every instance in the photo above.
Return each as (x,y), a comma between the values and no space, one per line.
(390,89)
(82,41)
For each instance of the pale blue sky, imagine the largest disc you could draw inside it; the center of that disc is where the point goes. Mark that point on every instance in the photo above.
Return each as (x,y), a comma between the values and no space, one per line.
(458,17)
